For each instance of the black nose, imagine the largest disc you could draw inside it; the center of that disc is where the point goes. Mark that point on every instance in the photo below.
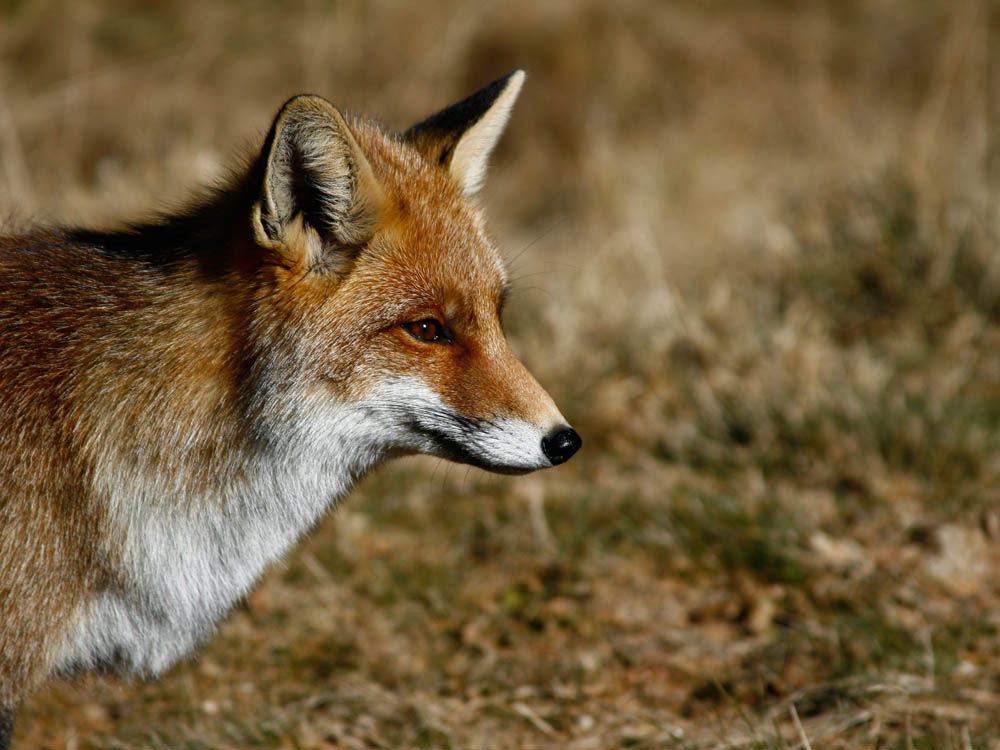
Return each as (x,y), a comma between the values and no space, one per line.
(560,444)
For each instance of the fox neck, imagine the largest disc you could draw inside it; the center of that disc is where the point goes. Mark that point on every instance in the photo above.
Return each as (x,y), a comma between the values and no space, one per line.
(189,549)
(202,491)
(235,524)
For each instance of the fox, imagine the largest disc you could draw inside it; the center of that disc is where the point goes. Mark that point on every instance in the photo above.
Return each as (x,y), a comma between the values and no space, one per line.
(183,398)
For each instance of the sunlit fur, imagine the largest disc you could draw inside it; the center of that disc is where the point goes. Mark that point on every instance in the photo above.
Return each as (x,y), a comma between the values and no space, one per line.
(182,400)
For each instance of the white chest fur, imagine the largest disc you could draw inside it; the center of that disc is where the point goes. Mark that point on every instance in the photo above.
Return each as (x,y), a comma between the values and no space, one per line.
(188,559)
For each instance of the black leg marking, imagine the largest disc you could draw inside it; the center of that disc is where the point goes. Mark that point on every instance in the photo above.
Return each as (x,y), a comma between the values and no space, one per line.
(6,727)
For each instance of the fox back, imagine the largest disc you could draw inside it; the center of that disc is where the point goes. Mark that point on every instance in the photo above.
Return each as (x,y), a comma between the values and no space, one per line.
(182,400)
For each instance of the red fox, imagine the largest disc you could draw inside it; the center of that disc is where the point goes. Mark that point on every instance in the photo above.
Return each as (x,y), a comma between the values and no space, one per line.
(182,400)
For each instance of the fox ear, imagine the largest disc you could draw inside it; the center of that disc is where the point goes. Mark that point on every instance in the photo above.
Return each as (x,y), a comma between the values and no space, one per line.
(461,137)
(318,188)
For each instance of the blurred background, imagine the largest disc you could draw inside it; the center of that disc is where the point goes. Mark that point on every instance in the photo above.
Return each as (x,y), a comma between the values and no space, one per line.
(755,256)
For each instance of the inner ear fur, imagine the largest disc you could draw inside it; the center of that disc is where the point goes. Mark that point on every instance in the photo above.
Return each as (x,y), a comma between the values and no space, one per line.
(318,193)
(461,137)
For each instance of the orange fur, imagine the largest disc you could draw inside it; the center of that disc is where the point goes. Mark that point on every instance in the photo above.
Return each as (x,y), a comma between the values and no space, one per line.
(181,400)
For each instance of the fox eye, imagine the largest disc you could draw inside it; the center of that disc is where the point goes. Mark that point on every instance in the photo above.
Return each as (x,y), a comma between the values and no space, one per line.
(428,330)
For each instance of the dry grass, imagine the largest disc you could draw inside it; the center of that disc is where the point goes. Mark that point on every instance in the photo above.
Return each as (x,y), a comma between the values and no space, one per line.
(756,251)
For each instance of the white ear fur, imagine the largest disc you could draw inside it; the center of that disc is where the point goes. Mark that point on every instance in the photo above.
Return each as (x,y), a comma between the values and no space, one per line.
(472,152)
(316,174)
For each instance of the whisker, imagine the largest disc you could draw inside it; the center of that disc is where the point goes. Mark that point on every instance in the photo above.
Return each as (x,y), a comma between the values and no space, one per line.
(545,233)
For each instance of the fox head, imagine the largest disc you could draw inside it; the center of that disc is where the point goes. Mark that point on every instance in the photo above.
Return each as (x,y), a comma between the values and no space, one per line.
(379,293)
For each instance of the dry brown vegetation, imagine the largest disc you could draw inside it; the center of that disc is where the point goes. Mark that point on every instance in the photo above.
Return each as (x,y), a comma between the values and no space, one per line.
(756,252)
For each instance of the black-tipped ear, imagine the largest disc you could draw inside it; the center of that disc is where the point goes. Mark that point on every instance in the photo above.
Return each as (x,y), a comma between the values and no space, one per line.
(318,189)
(461,137)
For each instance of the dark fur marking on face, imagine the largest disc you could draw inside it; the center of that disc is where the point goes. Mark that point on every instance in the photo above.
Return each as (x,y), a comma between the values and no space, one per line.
(505,292)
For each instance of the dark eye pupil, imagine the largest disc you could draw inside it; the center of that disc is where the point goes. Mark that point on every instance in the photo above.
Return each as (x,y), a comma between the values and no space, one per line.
(425,330)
